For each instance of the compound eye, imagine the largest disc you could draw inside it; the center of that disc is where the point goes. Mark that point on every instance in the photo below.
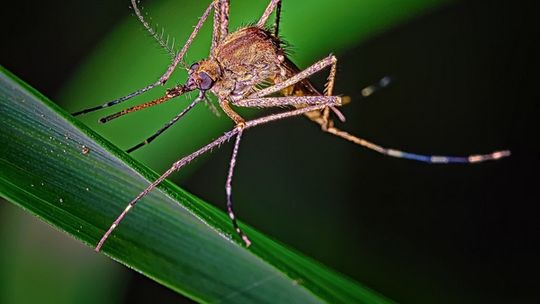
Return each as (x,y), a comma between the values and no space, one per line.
(193,67)
(206,82)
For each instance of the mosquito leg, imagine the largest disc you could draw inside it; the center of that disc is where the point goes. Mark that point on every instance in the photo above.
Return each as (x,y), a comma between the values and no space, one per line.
(331,60)
(328,91)
(166,126)
(187,159)
(314,68)
(366,92)
(327,126)
(277,20)
(432,159)
(117,101)
(158,37)
(163,79)
(221,23)
(302,101)
(186,46)
(268,12)
(224,24)
(176,166)
(265,102)
(372,88)
(228,189)
(216,32)
(238,120)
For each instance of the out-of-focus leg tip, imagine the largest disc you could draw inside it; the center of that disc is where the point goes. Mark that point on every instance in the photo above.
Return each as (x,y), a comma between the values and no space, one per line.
(246,241)
(501,154)
(345,100)
(506,153)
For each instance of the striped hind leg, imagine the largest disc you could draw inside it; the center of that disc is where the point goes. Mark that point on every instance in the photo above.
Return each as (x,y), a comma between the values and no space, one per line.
(328,126)
(228,190)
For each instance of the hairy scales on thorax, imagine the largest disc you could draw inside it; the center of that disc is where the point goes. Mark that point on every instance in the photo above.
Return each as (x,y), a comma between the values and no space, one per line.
(244,59)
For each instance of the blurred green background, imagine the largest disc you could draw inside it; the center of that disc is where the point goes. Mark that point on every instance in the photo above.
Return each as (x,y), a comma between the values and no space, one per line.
(464,76)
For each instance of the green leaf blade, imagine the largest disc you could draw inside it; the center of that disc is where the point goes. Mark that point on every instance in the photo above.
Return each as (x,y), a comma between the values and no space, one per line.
(171,236)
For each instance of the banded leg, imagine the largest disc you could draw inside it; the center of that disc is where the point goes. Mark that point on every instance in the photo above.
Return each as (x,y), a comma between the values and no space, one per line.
(373,88)
(432,159)
(187,159)
(228,189)
(117,101)
(277,20)
(328,126)
(366,92)
(163,79)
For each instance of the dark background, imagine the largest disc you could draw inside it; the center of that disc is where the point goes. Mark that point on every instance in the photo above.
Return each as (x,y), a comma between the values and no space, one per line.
(465,79)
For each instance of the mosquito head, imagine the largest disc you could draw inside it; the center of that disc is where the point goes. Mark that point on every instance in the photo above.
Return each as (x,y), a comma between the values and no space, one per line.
(203,75)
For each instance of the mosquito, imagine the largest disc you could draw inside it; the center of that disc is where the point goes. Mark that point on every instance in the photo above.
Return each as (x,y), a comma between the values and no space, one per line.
(249,68)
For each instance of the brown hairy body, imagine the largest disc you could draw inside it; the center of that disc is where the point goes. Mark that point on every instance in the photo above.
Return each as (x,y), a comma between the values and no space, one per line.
(247,58)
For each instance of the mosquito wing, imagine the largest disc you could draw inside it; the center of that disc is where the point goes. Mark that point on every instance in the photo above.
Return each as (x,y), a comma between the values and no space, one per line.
(302,88)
